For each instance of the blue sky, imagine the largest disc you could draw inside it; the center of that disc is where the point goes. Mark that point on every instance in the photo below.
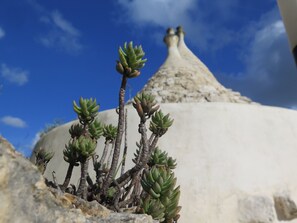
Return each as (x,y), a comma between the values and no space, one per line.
(53,52)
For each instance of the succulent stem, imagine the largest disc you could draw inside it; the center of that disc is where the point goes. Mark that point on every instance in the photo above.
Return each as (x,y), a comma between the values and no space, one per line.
(82,188)
(104,154)
(118,141)
(68,176)
(126,145)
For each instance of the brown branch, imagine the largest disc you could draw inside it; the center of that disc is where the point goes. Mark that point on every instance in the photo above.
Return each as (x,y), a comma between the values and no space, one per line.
(122,204)
(117,197)
(153,145)
(143,160)
(68,176)
(104,154)
(82,189)
(110,155)
(126,146)
(118,141)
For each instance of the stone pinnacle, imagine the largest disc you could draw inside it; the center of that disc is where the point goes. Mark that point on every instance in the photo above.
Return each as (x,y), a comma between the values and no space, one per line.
(184,78)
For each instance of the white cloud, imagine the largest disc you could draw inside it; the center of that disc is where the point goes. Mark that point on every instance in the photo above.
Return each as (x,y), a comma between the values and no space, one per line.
(2,33)
(63,24)
(270,74)
(196,16)
(13,121)
(62,33)
(14,75)
(157,12)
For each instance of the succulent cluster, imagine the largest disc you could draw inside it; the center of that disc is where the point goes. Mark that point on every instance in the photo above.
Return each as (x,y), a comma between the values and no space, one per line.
(160,123)
(84,146)
(160,158)
(109,132)
(83,141)
(145,105)
(96,129)
(161,200)
(150,184)
(84,135)
(86,111)
(131,60)
(70,155)
(76,130)
(42,159)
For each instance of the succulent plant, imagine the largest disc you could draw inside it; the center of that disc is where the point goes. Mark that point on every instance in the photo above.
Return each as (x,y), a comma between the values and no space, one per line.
(171,205)
(158,197)
(109,132)
(136,156)
(145,105)
(76,130)
(87,111)
(130,60)
(171,163)
(160,123)
(111,192)
(160,158)
(96,129)
(42,157)
(84,146)
(159,183)
(153,207)
(70,154)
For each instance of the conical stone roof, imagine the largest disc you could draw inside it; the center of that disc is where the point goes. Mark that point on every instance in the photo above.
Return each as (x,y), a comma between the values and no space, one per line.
(184,78)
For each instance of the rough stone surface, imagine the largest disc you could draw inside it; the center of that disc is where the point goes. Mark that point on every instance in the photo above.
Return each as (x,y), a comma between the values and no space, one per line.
(256,209)
(24,198)
(184,78)
(285,207)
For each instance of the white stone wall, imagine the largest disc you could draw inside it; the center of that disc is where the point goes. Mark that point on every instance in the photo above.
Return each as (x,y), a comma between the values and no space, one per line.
(237,163)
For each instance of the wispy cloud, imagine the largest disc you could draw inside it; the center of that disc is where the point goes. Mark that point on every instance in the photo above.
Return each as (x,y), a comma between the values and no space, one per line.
(2,33)
(13,121)
(270,75)
(62,33)
(14,75)
(202,30)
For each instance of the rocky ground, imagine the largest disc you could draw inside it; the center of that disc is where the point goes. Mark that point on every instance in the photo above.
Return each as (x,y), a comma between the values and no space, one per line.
(25,197)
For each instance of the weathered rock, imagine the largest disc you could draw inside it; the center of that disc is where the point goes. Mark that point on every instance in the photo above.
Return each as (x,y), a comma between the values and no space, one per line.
(285,207)
(255,209)
(25,198)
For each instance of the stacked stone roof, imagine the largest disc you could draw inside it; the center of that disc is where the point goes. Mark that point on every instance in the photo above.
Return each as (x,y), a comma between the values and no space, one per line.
(184,78)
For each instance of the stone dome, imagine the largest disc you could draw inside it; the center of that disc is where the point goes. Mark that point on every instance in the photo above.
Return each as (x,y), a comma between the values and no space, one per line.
(184,78)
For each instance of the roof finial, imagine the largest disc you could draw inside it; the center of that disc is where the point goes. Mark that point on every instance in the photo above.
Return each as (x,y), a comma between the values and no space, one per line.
(170,38)
(180,30)
(184,78)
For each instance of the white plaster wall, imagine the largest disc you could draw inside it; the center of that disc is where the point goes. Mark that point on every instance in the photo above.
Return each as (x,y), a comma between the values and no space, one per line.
(225,152)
